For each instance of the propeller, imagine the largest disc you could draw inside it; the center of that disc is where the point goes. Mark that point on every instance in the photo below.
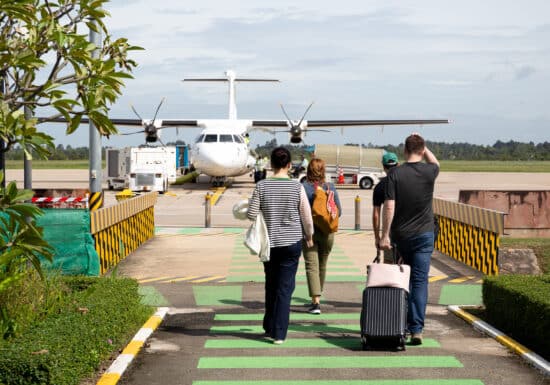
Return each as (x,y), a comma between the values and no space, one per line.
(149,128)
(296,130)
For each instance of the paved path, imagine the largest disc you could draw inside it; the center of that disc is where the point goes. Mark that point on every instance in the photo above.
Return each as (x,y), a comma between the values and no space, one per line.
(213,336)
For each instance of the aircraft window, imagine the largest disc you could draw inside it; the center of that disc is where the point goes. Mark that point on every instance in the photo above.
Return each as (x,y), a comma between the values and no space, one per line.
(238,139)
(199,139)
(210,138)
(226,138)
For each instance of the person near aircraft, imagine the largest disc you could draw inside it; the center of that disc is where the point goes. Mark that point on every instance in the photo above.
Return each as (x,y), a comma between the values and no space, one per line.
(302,167)
(316,256)
(285,208)
(389,161)
(408,214)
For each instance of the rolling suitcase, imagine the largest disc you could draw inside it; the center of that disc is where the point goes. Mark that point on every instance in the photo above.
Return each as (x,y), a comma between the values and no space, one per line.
(384,307)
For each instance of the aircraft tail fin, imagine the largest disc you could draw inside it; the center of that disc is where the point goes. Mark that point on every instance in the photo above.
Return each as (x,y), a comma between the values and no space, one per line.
(231,78)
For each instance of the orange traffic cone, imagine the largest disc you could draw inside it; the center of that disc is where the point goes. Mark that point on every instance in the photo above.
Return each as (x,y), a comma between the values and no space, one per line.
(340,176)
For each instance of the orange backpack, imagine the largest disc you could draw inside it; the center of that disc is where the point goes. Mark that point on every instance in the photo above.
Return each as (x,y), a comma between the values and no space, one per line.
(324,210)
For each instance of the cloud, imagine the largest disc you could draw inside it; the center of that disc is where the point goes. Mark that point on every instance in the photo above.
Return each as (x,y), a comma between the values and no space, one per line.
(524,72)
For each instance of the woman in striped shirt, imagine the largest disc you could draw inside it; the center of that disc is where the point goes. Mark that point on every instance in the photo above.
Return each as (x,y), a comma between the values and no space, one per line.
(287,214)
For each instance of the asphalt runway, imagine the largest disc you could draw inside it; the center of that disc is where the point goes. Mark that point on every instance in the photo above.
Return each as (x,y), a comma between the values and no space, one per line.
(183,206)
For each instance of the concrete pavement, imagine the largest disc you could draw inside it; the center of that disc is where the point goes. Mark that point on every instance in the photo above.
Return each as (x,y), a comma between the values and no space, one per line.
(212,334)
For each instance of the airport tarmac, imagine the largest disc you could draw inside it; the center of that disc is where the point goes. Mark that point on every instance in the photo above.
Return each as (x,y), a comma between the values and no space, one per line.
(183,206)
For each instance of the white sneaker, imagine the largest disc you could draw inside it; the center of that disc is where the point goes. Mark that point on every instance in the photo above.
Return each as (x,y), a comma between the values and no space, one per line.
(278,342)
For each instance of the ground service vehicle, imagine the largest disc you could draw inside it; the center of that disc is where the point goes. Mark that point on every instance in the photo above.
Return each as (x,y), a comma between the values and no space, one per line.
(350,165)
(141,168)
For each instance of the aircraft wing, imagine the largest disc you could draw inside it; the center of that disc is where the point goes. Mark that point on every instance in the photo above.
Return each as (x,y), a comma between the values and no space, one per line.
(136,122)
(343,123)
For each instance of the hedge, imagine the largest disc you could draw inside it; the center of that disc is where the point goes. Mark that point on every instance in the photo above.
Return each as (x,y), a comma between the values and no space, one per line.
(100,317)
(519,305)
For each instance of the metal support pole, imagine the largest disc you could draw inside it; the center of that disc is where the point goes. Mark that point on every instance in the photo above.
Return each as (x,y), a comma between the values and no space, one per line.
(207,210)
(357,213)
(27,162)
(96,194)
(2,146)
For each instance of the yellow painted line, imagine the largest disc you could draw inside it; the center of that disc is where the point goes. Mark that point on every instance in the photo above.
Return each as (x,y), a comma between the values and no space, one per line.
(436,278)
(181,279)
(466,316)
(208,279)
(461,279)
(217,194)
(109,379)
(511,344)
(121,363)
(152,322)
(152,279)
(133,347)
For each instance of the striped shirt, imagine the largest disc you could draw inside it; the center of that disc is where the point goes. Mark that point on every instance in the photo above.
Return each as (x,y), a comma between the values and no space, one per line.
(285,208)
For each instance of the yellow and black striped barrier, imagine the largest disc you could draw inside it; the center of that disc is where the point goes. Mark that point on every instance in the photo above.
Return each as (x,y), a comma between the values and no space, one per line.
(96,201)
(469,234)
(118,230)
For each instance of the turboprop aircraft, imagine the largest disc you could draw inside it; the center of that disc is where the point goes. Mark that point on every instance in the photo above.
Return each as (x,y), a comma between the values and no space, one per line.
(221,150)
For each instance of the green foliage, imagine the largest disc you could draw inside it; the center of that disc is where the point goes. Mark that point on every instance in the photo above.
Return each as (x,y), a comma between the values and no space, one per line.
(21,245)
(506,151)
(519,305)
(97,319)
(45,61)
(28,300)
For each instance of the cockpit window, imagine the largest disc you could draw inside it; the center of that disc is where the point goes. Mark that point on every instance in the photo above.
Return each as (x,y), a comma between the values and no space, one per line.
(199,139)
(224,138)
(238,139)
(210,138)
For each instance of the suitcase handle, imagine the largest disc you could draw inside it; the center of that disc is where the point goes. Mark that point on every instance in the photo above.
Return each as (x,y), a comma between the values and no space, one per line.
(397,258)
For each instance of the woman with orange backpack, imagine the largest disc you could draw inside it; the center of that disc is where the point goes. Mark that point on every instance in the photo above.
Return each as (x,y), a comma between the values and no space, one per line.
(326,210)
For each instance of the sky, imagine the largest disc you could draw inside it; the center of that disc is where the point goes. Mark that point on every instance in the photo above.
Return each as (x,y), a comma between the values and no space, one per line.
(485,65)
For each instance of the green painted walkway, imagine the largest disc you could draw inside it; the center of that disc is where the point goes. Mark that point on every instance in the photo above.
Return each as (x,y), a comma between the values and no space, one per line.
(235,347)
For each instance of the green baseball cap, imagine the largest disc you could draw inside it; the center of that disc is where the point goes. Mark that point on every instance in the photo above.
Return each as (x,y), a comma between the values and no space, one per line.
(389,159)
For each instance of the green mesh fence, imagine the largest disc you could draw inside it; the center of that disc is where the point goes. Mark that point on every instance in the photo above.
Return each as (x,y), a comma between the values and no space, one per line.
(68,232)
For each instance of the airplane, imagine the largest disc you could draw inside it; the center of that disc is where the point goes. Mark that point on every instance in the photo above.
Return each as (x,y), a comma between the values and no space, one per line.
(221,150)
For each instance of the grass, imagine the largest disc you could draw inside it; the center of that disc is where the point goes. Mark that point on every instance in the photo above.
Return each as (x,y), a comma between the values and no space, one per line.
(50,164)
(494,166)
(540,246)
(446,165)
(94,319)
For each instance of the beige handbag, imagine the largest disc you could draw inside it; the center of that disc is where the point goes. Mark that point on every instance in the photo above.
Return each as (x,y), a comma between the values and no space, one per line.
(388,275)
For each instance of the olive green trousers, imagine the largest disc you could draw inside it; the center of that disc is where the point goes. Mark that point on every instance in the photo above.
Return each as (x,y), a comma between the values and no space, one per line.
(316,258)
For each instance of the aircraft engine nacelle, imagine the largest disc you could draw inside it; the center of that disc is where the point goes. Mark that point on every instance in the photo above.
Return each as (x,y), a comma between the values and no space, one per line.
(295,134)
(152,134)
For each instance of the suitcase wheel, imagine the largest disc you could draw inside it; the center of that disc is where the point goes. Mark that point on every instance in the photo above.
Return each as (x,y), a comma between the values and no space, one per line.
(402,344)
(364,343)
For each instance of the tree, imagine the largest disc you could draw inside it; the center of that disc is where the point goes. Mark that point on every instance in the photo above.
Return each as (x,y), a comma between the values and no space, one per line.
(46,62)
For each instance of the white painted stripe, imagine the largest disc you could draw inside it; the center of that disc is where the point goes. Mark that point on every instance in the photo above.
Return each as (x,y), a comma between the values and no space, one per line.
(120,364)
(123,360)
(538,361)
(142,334)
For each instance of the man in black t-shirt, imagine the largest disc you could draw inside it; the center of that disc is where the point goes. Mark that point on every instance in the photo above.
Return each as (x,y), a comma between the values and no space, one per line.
(389,161)
(409,216)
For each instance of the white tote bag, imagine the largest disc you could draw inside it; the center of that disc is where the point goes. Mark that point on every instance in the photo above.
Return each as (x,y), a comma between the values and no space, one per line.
(257,238)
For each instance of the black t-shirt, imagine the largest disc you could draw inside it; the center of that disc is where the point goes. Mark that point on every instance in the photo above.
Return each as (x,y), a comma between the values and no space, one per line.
(378,195)
(411,185)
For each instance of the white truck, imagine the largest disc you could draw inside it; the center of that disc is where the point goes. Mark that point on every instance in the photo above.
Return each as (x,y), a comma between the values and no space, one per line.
(140,168)
(350,165)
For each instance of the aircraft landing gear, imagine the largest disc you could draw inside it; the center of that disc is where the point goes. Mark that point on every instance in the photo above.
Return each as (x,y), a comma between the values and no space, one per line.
(219,181)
